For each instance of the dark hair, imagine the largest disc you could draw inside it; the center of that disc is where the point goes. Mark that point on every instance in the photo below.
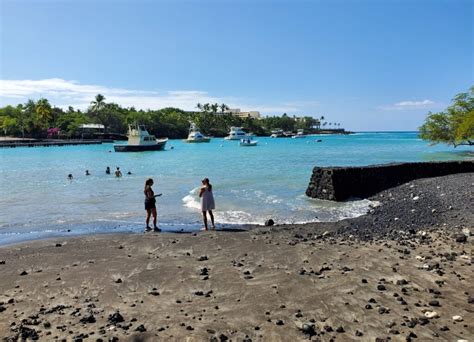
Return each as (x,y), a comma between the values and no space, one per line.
(206,181)
(148,182)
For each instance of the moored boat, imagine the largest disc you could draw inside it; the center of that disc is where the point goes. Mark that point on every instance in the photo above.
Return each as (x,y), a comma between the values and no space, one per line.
(277,133)
(248,142)
(299,134)
(237,133)
(195,136)
(140,140)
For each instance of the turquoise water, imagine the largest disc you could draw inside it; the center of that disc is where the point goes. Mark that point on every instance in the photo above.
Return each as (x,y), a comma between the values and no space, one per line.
(251,184)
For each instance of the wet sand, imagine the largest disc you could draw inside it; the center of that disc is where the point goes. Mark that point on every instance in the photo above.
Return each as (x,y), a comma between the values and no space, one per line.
(372,278)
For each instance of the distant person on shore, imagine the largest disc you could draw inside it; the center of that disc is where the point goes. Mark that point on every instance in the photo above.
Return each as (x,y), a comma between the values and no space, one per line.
(69,176)
(118,173)
(150,205)
(207,202)
(107,170)
(87,173)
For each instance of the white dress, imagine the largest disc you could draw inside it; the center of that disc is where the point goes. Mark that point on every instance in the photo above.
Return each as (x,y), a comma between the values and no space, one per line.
(207,200)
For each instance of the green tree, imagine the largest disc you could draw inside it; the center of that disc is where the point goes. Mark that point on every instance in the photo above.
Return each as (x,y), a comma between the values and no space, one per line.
(98,104)
(214,107)
(44,112)
(223,107)
(455,125)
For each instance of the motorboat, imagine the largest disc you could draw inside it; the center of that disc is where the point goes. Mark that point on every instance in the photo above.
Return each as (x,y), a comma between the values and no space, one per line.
(248,142)
(277,133)
(195,136)
(140,140)
(299,134)
(237,133)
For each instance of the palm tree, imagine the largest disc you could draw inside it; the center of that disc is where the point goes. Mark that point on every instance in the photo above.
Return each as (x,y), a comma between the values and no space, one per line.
(98,104)
(199,106)
(224,107)
(214,107)
(44,112)
(206,107)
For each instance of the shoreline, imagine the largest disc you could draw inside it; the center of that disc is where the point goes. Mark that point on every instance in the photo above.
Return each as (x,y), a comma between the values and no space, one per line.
(391,273)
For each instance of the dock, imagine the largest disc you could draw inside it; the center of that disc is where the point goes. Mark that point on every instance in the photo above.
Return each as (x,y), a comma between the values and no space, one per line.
(46,143)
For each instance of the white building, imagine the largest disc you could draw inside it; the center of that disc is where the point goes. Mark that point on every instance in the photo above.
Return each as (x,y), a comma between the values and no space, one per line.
(250,114)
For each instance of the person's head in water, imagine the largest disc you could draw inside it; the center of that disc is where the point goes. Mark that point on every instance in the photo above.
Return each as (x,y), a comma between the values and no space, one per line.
(69,176)
(87,173)
(107,170)
(149,182)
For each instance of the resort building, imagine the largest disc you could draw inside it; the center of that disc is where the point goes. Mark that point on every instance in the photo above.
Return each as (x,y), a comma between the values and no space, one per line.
(250,114)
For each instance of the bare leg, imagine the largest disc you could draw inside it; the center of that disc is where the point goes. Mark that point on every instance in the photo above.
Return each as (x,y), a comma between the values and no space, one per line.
(212,219)
(148,214)
(204,218)
(153,211)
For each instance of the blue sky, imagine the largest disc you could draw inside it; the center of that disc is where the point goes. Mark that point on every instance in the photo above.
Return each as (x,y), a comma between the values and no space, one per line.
(370,65)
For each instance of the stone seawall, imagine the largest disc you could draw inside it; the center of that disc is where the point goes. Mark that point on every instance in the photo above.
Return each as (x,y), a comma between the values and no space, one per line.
(341,183)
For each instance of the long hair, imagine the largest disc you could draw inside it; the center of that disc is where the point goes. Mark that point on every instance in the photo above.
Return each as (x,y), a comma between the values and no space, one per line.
(148,182)
(206,181)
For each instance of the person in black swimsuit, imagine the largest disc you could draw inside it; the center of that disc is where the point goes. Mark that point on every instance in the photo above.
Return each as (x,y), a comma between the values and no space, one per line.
(150,205)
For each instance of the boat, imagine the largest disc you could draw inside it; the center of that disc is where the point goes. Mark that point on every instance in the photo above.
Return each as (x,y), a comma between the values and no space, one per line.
(248,142)
(140,140)
(237,133)
(299,134)
(277,133)
(195,136)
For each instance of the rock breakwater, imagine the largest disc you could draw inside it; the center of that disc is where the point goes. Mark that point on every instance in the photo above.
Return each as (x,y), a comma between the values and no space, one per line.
(342,183)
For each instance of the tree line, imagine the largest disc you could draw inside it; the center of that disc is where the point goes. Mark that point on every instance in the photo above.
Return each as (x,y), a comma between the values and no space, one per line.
(38,119)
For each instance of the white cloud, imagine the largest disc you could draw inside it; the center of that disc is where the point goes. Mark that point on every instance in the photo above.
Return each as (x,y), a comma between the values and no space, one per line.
(422,104)
(63,93)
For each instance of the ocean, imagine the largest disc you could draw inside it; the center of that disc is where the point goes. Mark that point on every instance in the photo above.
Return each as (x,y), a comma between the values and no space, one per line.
(251,184)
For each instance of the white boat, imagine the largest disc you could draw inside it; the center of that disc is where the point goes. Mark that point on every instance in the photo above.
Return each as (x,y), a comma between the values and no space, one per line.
(237,133)
(195,136)
(140,140)
(277,133)
(299,134)
(248,142)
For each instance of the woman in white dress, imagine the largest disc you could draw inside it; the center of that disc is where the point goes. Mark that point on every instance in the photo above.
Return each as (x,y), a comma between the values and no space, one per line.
(207,202)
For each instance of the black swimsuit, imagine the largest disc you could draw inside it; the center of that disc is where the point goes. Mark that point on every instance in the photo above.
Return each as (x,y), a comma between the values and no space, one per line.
(150,203)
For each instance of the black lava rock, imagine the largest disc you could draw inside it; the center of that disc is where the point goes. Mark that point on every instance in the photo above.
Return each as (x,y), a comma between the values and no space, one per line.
(88,319)
(116,318)
(308,329)
(269,223)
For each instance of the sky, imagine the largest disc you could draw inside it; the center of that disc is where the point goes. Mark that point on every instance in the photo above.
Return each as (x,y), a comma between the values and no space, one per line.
(367,64)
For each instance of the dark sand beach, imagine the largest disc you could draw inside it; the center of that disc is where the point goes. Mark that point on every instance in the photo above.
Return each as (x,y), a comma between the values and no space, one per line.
(402,272)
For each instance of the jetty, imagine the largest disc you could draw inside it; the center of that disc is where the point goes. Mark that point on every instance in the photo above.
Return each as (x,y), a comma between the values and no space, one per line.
(13,143)
(342,183)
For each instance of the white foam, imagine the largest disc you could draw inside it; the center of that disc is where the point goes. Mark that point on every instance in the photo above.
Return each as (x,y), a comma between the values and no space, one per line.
(191,200)
(236,217)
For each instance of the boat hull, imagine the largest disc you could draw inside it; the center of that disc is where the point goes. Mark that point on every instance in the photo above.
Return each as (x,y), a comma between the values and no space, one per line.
(159,146)
(252,143)
(195,141)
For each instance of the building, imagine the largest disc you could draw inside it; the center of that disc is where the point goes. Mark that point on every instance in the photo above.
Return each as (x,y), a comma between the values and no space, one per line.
(250,114)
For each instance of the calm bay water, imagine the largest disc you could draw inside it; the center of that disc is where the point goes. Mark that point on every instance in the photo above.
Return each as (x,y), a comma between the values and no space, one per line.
(251,184)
